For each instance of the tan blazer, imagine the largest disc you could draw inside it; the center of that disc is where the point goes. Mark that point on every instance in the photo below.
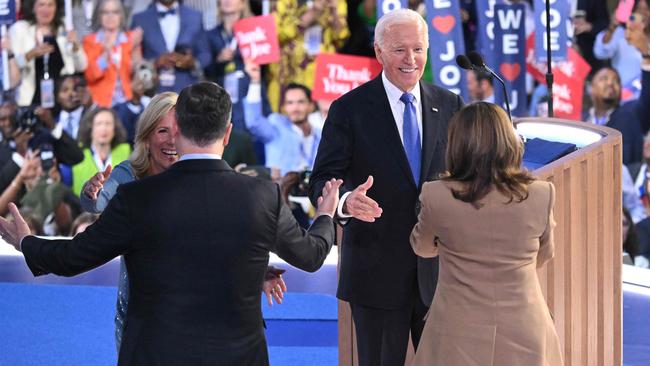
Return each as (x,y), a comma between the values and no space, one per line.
(23,38)
(488,308)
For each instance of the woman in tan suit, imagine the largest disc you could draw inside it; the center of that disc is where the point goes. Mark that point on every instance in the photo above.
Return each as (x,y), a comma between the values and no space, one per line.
(492,225)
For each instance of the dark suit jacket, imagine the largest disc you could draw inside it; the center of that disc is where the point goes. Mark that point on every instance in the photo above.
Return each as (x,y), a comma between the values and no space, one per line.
(196,241)
(360,138)
(191,34)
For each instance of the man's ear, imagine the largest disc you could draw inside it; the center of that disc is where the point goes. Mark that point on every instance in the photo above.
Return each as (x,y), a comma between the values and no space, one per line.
(226,136)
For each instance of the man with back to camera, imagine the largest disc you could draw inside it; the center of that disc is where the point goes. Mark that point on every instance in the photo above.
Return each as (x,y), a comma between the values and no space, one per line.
(385,138)
(196,240)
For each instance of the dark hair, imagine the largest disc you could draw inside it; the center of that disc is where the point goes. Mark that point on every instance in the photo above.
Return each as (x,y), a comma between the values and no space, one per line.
(83,218)
(631,241)
(27,10)
(293,86)
(482,75)
(483,151)
(203,112)
(86,127)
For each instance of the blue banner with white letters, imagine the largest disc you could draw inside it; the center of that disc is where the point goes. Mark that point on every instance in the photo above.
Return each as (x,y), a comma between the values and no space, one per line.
(445,43)
(485,31)
(510,56)
(559,15)
(7,12)
(386,6)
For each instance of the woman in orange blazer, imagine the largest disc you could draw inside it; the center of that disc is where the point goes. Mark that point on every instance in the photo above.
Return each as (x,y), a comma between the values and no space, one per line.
(111,52)
(491,223)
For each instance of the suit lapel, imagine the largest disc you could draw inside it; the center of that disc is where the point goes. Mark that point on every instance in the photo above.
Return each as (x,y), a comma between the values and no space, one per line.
(430,129)
(387,127)
(155,28)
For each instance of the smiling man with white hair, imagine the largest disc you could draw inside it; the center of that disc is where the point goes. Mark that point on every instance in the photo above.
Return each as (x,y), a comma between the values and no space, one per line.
(385,138)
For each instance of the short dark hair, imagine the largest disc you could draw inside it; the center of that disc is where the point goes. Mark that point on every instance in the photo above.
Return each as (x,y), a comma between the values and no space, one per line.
(482,75)
(203,112)
(292,86)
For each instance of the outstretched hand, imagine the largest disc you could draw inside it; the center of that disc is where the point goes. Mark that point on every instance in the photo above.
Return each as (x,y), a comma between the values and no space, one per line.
(96,183)
(15,230)
(329,199)
(360,206)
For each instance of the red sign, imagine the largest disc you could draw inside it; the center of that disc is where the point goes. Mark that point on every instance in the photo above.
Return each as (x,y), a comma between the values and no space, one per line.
(568,80)
(574,66)
(567,96)
(257,38)
(338,74)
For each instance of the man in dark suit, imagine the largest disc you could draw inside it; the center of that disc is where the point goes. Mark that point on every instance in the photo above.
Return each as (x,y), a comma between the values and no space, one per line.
(386,138)
(196,241)
(174,39)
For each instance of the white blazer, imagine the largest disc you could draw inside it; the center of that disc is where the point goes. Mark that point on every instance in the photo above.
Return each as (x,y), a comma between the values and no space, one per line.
(23,38)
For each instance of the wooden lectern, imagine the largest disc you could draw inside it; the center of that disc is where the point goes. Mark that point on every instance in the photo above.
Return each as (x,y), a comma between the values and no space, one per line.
(582,284)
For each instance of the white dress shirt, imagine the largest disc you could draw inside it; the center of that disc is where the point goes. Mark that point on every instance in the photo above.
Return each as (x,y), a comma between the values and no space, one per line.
(64,116)
(170,25)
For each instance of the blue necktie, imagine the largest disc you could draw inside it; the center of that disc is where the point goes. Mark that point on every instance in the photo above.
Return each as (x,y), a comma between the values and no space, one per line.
(411,134)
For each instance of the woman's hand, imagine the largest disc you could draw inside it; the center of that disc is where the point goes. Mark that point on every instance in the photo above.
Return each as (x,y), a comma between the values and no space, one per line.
(95,184)
(39,51)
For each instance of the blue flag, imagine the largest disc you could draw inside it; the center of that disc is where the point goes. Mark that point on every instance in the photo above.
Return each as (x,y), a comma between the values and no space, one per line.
(445,43)
(386,6)
(559,17)
(485,31)
(510,56)
(7,12)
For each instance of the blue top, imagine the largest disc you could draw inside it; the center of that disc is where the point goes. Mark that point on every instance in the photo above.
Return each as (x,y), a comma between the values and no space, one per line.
(283,142)
(626,59)
(122,173)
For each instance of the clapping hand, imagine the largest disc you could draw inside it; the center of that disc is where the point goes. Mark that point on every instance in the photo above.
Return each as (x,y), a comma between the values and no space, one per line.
(360,206)
(14,231)
(95,184)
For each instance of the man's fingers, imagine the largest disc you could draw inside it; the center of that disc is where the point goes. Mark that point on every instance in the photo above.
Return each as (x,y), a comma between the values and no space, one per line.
(14,212)
(367,184)
(283,286)
(269,298)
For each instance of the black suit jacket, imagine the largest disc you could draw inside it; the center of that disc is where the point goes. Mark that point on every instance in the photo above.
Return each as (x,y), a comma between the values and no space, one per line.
(360,138)
(196,241)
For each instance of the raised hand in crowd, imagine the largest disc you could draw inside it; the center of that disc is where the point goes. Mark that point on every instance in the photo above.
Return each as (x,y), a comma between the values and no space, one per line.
(328,202)
(40,50)
(166,60)
(226,54)
(185,60)
(360,206)
(72,39)
(136,36)
(636,35)
(28,172)
(254,71)
(45,116)
(95,184)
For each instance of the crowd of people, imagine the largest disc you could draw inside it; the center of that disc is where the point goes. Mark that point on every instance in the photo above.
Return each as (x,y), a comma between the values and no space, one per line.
(76,95)
(95,107)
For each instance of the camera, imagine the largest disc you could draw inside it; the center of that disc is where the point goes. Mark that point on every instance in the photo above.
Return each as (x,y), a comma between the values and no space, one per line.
(27,120)
(301,188)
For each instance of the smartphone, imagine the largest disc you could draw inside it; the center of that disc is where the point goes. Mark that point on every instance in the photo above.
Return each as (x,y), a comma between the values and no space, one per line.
(47,157)
(49,39)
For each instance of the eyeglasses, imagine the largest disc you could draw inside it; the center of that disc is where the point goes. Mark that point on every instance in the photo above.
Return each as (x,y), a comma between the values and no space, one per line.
(110,12)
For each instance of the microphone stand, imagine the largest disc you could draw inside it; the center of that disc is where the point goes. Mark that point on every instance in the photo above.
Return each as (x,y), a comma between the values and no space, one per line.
(549,70)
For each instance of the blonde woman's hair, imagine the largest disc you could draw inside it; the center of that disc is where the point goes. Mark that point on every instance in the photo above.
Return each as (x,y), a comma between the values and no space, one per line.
(158,108)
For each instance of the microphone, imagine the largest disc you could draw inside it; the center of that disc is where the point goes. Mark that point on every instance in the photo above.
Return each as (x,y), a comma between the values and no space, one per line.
(464,62)
(478,64)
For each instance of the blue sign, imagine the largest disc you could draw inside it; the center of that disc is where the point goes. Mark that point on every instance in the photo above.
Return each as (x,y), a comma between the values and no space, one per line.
(7,12)
(485,31)
(386,6)
(445,43)
(559,15)
(510,56)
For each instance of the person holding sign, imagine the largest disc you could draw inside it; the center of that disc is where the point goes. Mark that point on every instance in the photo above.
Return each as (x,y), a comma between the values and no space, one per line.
(42,51)
(385,139)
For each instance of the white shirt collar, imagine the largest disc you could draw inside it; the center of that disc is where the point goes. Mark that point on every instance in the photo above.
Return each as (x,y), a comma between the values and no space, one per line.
(394,93)
(160,7)
(200,156)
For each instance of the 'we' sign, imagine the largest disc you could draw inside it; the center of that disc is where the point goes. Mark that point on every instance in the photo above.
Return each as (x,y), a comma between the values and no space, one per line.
(445,43)
(510,55)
